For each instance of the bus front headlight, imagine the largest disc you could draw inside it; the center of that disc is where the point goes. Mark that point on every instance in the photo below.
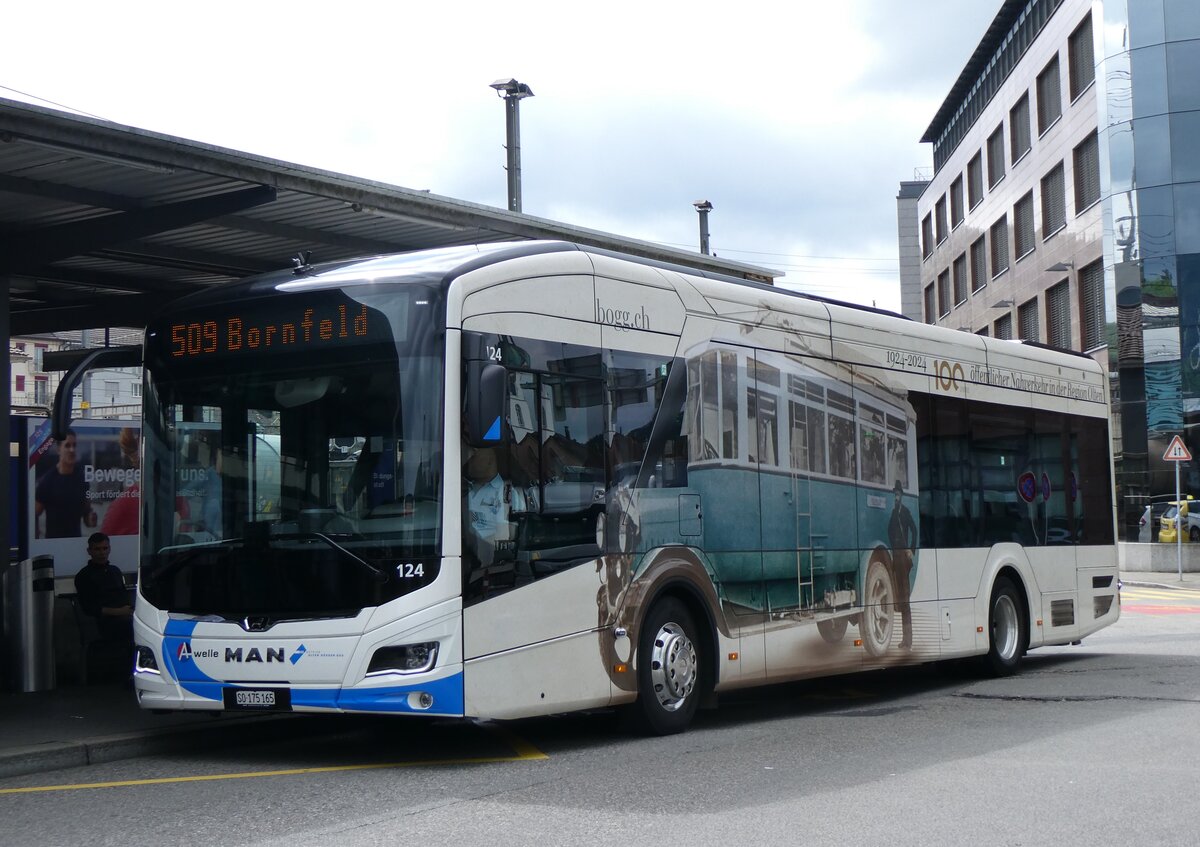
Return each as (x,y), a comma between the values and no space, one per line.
(404,658)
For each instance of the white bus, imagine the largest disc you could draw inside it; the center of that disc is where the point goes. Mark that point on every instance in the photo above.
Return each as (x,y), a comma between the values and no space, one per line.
(520,479)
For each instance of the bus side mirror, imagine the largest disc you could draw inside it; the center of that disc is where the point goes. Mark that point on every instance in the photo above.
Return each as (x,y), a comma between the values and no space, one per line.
(487,397)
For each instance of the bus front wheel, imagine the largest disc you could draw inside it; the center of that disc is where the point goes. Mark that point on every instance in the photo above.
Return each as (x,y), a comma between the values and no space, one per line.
(1008,630)
(668,669)
(878,618)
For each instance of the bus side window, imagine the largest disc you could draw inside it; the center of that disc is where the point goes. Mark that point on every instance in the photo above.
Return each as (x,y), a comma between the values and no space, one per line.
(646,415)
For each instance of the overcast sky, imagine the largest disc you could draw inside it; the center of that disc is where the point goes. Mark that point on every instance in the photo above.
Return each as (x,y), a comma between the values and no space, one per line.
(797,121)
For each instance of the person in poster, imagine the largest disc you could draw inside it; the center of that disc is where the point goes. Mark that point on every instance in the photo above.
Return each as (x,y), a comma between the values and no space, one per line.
(61,495)
(122,515)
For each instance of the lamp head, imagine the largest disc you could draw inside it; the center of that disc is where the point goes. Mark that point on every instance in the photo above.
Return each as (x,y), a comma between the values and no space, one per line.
(511,88)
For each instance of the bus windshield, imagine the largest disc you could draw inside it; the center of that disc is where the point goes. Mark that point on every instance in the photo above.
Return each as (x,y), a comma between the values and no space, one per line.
(293,452)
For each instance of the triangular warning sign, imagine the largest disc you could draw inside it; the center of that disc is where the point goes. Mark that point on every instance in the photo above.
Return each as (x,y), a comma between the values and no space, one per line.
(1177,451)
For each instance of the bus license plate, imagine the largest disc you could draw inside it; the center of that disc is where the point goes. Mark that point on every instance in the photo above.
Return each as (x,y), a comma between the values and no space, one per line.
(258,699)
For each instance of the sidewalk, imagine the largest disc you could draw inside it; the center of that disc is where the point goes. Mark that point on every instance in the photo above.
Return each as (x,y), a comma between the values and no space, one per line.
(76,725)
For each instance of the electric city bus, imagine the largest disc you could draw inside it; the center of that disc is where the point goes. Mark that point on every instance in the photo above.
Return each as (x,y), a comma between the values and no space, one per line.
(526,478)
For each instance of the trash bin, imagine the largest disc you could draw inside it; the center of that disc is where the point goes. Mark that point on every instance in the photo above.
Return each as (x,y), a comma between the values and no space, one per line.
(29,623)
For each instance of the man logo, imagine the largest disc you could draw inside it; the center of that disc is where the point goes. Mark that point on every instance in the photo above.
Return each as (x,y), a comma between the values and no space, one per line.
(947,374)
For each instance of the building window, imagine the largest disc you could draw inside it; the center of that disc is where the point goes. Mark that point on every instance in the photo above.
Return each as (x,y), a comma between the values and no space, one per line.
(927,237)
(995,151)
(1028,328)
(1023,229)
(960,279)
(20,383)
(41,389)
(1091,305)
(1003,327)
(979,274)
(1018,128)
(20,346)
(956,202)
(983,332)
(135,388)
(1058,316)
(999,239)
(39,350)
(943,284)
(1087,173)
(1049,97)
(1081,56)
(930,307)
(940,219)
(975,181)
(1054,202)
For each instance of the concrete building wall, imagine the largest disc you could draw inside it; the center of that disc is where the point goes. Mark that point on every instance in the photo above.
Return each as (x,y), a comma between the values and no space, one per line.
(1072,247)
(908,231)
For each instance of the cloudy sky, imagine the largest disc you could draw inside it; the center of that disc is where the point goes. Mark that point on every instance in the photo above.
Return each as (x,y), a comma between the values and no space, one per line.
(797,121)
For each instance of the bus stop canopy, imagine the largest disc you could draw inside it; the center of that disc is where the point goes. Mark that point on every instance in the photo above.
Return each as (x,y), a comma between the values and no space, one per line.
(101,224)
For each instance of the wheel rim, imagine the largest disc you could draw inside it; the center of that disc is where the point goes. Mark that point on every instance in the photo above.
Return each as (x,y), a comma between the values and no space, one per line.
(879,608)
(673,666)
(1005,627)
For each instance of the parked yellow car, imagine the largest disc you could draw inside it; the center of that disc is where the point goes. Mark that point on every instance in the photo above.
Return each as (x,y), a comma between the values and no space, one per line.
(1191,521)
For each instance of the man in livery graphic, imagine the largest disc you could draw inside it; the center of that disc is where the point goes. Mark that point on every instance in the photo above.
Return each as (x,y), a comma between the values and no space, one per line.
(902,536)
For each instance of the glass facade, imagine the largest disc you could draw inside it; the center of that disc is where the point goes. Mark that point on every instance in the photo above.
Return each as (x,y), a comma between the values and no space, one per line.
(1149,134)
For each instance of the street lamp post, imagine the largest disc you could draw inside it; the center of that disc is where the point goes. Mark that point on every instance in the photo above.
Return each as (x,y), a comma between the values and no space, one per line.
(513,93)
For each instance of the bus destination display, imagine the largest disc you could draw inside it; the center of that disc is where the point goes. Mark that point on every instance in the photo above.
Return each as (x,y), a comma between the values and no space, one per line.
(235,334)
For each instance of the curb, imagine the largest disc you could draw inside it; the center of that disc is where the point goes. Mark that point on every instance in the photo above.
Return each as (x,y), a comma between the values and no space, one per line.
(1150,582)
(56,755)
(1145,583)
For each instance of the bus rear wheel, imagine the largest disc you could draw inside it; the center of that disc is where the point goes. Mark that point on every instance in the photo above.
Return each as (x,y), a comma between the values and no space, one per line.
(878,619)
(669,669)
(1008,629)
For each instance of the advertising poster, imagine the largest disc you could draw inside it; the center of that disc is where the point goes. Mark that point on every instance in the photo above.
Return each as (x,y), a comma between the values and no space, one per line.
(91,481)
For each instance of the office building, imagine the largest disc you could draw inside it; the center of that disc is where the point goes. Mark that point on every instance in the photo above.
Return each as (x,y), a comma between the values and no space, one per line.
(1064,209)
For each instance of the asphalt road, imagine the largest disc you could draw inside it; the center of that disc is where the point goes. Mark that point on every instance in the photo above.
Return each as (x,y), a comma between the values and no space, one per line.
(1090,745)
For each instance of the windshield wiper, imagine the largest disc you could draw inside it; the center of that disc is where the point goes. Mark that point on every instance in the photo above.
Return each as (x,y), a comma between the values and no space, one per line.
(320,536)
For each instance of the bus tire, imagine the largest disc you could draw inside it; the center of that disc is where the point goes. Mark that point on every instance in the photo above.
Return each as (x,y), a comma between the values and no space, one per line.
(1008,629)
(878,619)
(669,669)
(832,629)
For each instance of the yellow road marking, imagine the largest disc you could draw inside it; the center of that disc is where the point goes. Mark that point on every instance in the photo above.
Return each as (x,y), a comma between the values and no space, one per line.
(525,752)
(1160,594)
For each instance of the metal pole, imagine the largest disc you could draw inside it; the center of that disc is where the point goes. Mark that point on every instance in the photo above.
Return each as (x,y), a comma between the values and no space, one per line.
(87,380)
(1178,525)
(512,106)
(703,207)
(513,92)
(11,438)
